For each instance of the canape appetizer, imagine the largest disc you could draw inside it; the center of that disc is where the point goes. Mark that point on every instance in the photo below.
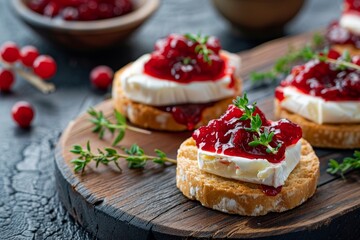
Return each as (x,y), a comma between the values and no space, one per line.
(323,97)
(243,163)
(345,33)
(184,83)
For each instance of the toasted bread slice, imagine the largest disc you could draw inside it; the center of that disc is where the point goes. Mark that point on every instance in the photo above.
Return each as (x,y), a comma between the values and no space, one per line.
(342,136)
(350,47)
(236,197)
(147,116)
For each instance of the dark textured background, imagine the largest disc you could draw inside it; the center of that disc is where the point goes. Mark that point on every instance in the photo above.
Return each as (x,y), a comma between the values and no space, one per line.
(29,205)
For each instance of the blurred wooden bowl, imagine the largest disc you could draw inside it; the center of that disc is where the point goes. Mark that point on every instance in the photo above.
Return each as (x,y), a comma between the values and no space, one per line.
(258,18)
(87,35)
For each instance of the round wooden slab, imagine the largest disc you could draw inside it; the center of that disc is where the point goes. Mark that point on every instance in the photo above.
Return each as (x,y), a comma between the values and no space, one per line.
(145,204)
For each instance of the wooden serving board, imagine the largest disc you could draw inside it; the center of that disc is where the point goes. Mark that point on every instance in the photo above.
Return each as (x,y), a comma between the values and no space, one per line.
(145,204)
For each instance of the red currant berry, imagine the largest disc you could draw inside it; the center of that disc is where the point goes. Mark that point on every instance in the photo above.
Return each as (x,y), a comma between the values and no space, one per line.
(28,55)
(88,11)
(37,5)
(7,79)
(101,77)
(70,14)
(71,3)
(105,10)
(52,9)
(122,7)
(9,52)
(23,114)
(44,66)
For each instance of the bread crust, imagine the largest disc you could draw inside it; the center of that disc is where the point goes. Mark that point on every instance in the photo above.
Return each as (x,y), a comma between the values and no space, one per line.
(341,136)
(147,116)
(350,47)
(236,197)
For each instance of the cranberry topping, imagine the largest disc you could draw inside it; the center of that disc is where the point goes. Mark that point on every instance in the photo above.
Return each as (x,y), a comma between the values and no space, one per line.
(339,35)
(324,80)
(279,94)
(81,10)
(352,5)
(180,59)
(229,135)
(187,114)
(271,191)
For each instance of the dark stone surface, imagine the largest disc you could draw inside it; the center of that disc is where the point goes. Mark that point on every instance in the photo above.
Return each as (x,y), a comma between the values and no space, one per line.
(29,205)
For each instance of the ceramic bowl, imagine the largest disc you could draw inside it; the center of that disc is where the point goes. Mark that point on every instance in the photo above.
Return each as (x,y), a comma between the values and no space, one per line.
(258,18)
(87,35)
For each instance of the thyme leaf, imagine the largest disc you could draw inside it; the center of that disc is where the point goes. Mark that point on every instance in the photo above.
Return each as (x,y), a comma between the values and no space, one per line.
(284,64)
(262,135)
(201,47)
(103,124)
(347,164)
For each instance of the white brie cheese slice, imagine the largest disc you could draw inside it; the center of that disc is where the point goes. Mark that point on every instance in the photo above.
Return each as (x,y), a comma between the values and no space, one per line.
(259,171)
(351,22)
(317,110)
(149,90)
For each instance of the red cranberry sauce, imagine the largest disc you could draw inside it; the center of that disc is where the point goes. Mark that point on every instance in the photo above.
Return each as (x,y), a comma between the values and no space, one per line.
(81,10)
(187,114)
(271,191)
(324,80)
(336,34)
(229,135)
(178,58)
(352,6)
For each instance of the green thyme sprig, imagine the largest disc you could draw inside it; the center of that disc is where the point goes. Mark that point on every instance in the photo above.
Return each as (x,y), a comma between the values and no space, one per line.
(135,157)
(264,136)
(347,164)
(342,63)
(201,48)
(284,64)
(103,124)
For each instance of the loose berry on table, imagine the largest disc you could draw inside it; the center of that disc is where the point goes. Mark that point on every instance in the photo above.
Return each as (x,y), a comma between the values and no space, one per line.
(23,114)
(101,77)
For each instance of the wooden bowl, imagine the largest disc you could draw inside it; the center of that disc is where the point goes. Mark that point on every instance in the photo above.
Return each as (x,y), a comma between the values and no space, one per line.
(258,18)
(87,35)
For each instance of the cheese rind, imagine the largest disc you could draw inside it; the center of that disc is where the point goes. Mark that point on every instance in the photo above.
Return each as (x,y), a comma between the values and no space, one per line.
(259,171)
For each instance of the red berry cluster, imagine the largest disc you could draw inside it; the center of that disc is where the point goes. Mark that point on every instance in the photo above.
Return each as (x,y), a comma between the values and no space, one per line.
(81,10)
(44,66)
(325,80)
(186,58)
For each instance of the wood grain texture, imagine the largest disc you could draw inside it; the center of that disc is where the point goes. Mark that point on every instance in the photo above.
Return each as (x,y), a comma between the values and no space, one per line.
(146,203)
(29,204)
